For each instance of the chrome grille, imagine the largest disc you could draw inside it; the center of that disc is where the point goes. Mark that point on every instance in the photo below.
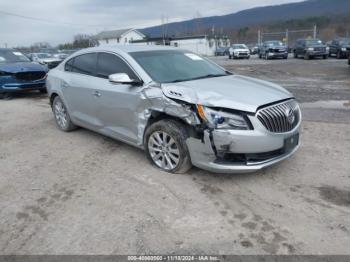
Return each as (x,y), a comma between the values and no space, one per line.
(280,118)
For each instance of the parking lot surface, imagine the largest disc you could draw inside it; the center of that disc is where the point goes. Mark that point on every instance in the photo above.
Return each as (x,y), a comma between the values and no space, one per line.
(82,193)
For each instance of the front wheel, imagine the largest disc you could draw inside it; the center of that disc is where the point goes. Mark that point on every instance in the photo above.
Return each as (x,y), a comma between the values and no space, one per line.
(165,144)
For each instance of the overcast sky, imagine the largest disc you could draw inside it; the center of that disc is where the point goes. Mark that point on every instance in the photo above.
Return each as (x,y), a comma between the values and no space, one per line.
(91,16)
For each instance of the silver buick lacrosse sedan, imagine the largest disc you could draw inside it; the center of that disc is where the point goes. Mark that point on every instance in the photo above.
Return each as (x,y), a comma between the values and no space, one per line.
(181,108)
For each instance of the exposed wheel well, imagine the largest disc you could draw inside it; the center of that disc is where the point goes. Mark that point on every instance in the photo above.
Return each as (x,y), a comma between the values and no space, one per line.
(52,97)
(157,116)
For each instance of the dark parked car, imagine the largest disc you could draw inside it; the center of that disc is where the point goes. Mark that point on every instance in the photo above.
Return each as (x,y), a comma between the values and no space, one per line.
(273,49)
(340,47)
(18,73)
(310,48)
(221,51)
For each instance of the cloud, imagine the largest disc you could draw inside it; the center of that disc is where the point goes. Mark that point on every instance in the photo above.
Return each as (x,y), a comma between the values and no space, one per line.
(70,17)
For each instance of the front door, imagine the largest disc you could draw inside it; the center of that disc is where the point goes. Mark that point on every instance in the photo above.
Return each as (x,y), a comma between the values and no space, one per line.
(119,104)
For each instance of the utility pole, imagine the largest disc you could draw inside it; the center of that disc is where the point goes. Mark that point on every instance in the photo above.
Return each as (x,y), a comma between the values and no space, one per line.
(315,31)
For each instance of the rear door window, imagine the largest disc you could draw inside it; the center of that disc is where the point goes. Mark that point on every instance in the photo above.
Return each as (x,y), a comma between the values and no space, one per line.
(69,65)
(85,64)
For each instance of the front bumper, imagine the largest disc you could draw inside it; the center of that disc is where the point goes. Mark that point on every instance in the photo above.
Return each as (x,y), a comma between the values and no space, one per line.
(267,147)
(18,87)
(241,55)
(317,53)
(277,55)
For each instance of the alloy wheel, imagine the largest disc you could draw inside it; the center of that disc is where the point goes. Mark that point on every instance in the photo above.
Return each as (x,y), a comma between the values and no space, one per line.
(163,150)
(60,114)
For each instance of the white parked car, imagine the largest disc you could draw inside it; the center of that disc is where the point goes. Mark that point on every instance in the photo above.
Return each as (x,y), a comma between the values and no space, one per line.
(45,59)
(239,51)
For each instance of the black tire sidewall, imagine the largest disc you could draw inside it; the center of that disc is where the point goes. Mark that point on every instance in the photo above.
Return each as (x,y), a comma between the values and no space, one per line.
(179,133)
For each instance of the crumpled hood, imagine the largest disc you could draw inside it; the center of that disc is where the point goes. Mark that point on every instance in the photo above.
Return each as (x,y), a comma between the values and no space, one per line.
(233,92)
(21,67)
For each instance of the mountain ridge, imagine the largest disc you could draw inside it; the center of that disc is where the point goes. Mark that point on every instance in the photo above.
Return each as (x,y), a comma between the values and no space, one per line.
(254,16)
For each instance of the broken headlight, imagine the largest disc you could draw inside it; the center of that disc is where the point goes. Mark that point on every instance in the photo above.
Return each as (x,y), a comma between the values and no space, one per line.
(222,120)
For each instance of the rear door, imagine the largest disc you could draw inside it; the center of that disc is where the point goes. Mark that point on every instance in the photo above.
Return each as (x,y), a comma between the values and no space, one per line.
(119,103)
(79,88)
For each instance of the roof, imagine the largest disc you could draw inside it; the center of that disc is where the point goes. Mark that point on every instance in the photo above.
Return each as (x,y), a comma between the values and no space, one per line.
(113,34)
(127,48)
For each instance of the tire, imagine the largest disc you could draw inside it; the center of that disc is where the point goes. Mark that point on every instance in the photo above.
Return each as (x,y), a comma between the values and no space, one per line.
(6,96)
(325,57)
(229,57)
(157,136)
(43,91)
(286,57)
(61,115)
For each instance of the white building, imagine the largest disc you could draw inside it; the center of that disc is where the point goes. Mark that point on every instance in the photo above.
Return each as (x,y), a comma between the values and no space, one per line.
(119,37)
(202,45)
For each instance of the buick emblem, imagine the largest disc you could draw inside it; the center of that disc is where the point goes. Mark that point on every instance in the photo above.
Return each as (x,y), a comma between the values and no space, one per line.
(290,115)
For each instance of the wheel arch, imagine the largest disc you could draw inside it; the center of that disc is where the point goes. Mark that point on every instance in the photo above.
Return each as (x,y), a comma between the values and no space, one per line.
(52,98)
(157,116)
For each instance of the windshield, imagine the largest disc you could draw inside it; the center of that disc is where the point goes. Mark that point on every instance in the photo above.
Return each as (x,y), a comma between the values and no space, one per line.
(176,66)
(344,42)
(43,56)
(239,47)
(12,56)
(313,42)
(274,43)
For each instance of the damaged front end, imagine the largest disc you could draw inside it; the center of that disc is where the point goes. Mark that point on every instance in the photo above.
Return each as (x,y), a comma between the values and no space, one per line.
(224,140)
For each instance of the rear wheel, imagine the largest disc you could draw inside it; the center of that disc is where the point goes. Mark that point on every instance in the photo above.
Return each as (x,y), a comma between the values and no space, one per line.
(165,144)
(62,117)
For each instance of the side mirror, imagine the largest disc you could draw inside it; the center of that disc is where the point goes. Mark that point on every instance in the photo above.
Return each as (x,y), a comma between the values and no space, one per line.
(122,78)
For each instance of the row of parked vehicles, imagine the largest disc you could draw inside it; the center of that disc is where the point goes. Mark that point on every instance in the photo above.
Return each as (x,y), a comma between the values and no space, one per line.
(25,72)
(305,48)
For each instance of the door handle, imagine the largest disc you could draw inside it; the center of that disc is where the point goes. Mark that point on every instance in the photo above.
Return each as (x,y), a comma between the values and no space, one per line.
(65,85)
(96,93)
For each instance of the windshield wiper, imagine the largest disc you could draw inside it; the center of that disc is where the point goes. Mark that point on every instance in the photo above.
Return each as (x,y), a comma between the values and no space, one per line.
(199,77)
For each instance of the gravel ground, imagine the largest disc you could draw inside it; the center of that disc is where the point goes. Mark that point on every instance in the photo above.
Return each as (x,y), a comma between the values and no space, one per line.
(82,193)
